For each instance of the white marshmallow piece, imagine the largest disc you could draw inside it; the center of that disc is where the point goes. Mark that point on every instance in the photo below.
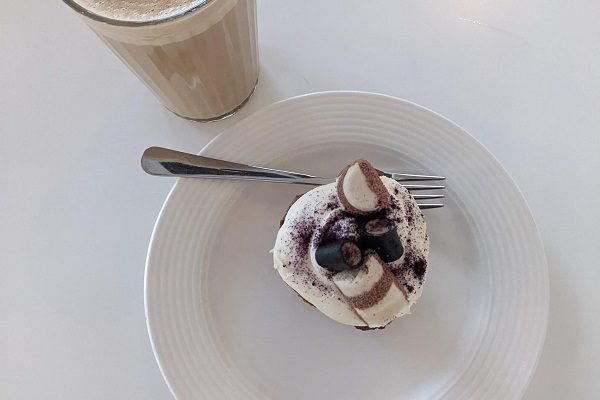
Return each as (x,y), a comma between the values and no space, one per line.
(357,191)
(392,305)
(368,275)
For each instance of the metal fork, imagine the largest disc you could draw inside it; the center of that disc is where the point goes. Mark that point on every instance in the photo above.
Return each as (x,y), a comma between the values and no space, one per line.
(166,162)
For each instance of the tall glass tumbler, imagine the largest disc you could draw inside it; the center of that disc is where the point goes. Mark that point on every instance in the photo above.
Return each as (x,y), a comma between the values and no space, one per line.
(202,62)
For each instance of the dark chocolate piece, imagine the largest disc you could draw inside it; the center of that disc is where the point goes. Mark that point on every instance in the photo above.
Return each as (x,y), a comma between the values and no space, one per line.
(381,235)
(339,256)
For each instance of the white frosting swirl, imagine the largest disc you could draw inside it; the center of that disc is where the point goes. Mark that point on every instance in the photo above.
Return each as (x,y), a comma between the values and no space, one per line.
(319,214)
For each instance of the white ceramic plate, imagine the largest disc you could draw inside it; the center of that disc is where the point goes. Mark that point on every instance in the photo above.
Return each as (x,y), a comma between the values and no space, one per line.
(223,324)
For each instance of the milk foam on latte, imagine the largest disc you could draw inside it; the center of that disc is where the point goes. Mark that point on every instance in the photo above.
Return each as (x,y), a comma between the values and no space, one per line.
(139,10)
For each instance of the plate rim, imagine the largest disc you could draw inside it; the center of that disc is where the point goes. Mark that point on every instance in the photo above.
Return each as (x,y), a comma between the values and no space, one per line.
(206,149)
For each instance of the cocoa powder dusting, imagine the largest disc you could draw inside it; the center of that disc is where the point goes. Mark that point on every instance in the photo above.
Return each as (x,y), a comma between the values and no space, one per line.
(407,273)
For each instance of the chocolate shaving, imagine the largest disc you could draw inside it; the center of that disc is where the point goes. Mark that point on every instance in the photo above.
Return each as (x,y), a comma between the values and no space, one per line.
(419,268)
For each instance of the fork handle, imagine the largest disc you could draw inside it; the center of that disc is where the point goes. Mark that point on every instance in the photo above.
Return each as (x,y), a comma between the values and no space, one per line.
(166,162)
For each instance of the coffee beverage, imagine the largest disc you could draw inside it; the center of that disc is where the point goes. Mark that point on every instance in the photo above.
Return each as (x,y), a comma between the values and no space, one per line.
(139,10)
(199,57)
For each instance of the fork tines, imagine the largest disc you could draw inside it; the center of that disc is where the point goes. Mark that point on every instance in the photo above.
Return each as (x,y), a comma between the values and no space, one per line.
(418,187)
(412,177)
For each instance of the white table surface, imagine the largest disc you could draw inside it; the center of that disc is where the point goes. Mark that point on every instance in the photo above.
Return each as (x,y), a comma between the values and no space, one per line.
(76,210)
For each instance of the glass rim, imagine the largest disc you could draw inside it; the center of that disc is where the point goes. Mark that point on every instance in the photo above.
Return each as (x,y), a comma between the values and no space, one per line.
(119,22)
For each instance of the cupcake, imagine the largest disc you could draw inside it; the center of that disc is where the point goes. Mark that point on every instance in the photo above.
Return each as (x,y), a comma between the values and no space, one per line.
(355,249)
